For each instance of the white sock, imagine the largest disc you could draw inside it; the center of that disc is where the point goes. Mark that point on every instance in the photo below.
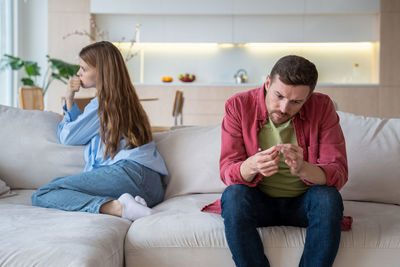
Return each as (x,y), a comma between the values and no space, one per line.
(131,209)
(141,200)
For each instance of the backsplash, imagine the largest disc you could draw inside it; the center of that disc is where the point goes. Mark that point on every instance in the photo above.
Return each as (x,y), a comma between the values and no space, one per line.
(337,63)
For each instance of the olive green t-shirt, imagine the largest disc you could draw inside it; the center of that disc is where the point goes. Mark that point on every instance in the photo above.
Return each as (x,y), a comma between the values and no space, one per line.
(282,183)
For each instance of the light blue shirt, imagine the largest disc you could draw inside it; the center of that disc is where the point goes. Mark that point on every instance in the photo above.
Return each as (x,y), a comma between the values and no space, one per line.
(79,128)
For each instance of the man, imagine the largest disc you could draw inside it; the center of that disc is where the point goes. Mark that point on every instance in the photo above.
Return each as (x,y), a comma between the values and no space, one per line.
(283,158)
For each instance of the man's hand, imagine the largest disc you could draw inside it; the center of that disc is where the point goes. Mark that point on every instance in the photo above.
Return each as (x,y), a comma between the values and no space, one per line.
(293,156)
(264,162)
(74,84)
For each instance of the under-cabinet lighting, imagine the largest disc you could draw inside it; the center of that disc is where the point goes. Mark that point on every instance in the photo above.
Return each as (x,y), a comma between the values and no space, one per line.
(226,45)
(343,44)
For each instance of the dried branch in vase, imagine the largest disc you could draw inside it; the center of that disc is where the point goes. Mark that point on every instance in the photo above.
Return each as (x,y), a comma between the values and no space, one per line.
(98,34)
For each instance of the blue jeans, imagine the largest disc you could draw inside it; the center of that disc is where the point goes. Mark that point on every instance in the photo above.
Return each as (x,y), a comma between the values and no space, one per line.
(320,209)
(87,191)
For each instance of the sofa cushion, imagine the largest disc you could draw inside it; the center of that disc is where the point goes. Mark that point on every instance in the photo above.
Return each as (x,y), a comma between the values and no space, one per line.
(373,153)
(32,236)
(31,155)
(192,157)
(180,235)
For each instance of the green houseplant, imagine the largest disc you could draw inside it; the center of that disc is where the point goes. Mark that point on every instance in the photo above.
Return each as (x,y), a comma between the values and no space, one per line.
(56,70)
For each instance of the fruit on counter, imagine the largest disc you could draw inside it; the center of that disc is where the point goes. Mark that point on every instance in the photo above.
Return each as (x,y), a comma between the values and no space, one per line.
(187,78)
(167,79)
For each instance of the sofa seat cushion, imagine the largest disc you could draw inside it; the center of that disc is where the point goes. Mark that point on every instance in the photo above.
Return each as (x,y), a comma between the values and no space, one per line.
(22,197)
(32,236)
(181,235)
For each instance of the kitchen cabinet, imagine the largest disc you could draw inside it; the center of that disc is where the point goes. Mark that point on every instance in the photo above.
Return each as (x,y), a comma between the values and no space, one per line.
(233,7)
(161,7)
(263,29)
(243,28)
(195,7)
(315,28)
(268,7)
(341,6)
(148,7)
(214,29)
(341,28)
(234,21)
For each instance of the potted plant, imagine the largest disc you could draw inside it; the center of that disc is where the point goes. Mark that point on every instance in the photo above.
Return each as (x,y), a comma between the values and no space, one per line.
(56,70)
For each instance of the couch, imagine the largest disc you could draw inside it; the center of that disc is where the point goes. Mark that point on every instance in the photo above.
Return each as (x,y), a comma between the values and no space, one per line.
(179,234)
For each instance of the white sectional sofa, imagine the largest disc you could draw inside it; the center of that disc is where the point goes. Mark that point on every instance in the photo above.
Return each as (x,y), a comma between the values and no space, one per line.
(180,234)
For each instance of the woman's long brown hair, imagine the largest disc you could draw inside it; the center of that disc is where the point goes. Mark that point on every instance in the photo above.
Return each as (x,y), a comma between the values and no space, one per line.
(120,113)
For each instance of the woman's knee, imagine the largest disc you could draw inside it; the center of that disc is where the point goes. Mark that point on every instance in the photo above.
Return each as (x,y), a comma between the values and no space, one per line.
(38,195)
(151,188)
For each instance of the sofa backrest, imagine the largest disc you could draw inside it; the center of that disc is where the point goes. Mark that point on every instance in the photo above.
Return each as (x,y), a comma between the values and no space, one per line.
(30,155)
(373,153)
(192,158)
(372,144)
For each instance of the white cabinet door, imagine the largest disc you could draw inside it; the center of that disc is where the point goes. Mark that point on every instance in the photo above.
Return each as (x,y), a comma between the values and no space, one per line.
(215,29)
(340,28)
(125,7)
(241,21)
(235,7)
(277,7)
(342,6)
(252,29)
(196,7)
(162,7)
(198,29)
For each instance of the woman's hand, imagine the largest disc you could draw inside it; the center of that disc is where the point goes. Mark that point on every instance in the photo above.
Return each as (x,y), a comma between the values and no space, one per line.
(74,84)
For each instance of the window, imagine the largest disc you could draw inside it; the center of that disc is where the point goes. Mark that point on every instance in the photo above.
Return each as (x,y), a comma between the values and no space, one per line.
(6,95)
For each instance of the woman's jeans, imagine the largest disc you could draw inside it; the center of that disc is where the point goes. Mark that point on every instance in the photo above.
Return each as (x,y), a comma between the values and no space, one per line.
(89,190)
(320,209)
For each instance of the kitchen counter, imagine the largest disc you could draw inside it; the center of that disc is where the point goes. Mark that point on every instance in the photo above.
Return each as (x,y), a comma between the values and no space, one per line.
(204,102)
(195,84)
(252,85)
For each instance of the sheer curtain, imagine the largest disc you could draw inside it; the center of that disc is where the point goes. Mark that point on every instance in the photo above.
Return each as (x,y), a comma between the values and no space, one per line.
(6,96)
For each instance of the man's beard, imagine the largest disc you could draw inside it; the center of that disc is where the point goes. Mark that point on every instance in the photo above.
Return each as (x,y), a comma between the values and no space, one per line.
(282,117)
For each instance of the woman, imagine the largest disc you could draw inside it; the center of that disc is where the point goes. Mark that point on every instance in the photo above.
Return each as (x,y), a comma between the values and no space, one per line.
(121,158)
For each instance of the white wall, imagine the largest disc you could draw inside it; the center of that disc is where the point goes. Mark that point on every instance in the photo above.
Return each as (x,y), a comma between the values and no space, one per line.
(32,37)
(5,48)
(65,17)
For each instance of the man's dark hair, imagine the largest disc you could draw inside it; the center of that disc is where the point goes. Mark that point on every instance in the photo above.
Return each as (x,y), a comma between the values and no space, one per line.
(295,70)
